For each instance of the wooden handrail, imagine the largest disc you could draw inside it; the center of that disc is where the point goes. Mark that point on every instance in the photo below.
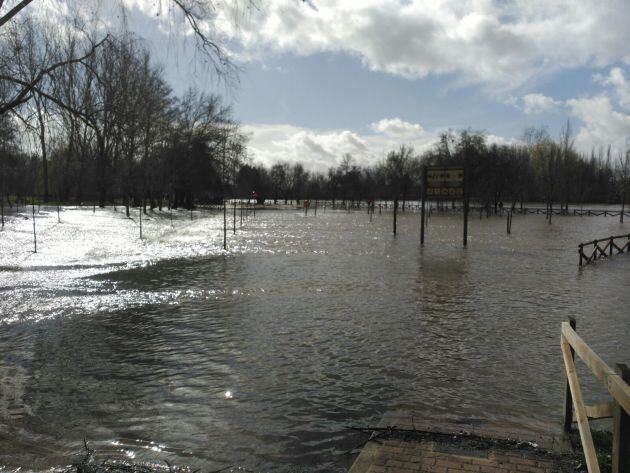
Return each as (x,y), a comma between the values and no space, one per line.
(571,343)
(618,388)
(580,411)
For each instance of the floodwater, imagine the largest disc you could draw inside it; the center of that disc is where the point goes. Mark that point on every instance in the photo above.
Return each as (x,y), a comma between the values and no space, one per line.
(313,324)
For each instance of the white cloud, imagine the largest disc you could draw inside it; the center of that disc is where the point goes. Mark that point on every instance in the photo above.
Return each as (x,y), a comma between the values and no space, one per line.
(617,79)
(502,42)
(397,128)
(320,149)
(602,125)
(538,103)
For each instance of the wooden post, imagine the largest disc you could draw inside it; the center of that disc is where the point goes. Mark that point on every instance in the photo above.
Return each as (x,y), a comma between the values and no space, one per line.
(34,231)
(465,208)
(621,430)
(580,250)
(171,214)
(234,224)
(395,213)
(610,245)
(58,217)
(2,206)
(224,224)
(568,399)
(191,209)
(379,209)
(140,213)
(423,199)
(241,213)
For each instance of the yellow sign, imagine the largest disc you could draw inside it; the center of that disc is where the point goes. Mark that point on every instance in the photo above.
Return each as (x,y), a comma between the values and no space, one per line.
(445,183)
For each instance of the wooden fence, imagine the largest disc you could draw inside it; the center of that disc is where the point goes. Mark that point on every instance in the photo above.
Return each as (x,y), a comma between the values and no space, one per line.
(609,248)
(615,381)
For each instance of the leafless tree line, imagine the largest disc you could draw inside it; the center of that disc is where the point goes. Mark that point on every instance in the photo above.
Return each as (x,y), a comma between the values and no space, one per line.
(536,168)
(95,120)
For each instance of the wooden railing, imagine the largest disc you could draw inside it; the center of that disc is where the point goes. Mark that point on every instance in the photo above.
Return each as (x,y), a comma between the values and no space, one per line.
(609,248)
(616,382)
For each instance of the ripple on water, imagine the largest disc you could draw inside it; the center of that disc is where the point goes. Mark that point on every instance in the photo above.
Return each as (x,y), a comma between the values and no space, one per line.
(311,324)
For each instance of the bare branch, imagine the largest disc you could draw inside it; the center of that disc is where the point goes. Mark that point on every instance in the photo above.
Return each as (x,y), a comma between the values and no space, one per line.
(28,87)
(14,11)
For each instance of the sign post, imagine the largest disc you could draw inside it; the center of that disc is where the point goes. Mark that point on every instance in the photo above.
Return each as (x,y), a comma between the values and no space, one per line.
(444,183)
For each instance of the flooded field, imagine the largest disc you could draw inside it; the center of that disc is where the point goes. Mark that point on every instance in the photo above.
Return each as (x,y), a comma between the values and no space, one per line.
(313,324)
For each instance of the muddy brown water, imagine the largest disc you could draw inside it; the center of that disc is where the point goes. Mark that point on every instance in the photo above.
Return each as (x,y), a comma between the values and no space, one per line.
(313,324)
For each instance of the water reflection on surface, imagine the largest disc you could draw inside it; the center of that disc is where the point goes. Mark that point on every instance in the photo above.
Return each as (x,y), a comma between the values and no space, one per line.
(312,324)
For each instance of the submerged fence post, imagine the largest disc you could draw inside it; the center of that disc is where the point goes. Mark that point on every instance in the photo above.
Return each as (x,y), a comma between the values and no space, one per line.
(2,206)
(224,224)
(621,430)
(568,399)
(58,217)
(234,223)
(581,251)
(34,231)
(140,213)
(423,198)
(395,214)
(315,211)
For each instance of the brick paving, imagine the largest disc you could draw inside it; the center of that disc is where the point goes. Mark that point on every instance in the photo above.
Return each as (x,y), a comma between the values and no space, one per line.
(451,453)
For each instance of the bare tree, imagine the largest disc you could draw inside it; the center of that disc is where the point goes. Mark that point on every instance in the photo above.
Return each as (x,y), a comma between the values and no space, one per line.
(198,15)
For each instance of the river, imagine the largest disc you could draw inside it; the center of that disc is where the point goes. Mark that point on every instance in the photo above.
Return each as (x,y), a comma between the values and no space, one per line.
(311,323)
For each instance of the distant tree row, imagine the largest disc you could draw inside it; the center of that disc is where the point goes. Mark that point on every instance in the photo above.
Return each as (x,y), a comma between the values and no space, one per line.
(535,169)
(106,127)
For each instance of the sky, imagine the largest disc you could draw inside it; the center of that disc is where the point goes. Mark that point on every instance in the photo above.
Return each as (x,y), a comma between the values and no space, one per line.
(321,78)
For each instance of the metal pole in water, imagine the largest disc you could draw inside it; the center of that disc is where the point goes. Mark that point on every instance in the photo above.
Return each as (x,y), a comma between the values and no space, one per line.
(234,224)
(140,213)
(224,224)
(34,231)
